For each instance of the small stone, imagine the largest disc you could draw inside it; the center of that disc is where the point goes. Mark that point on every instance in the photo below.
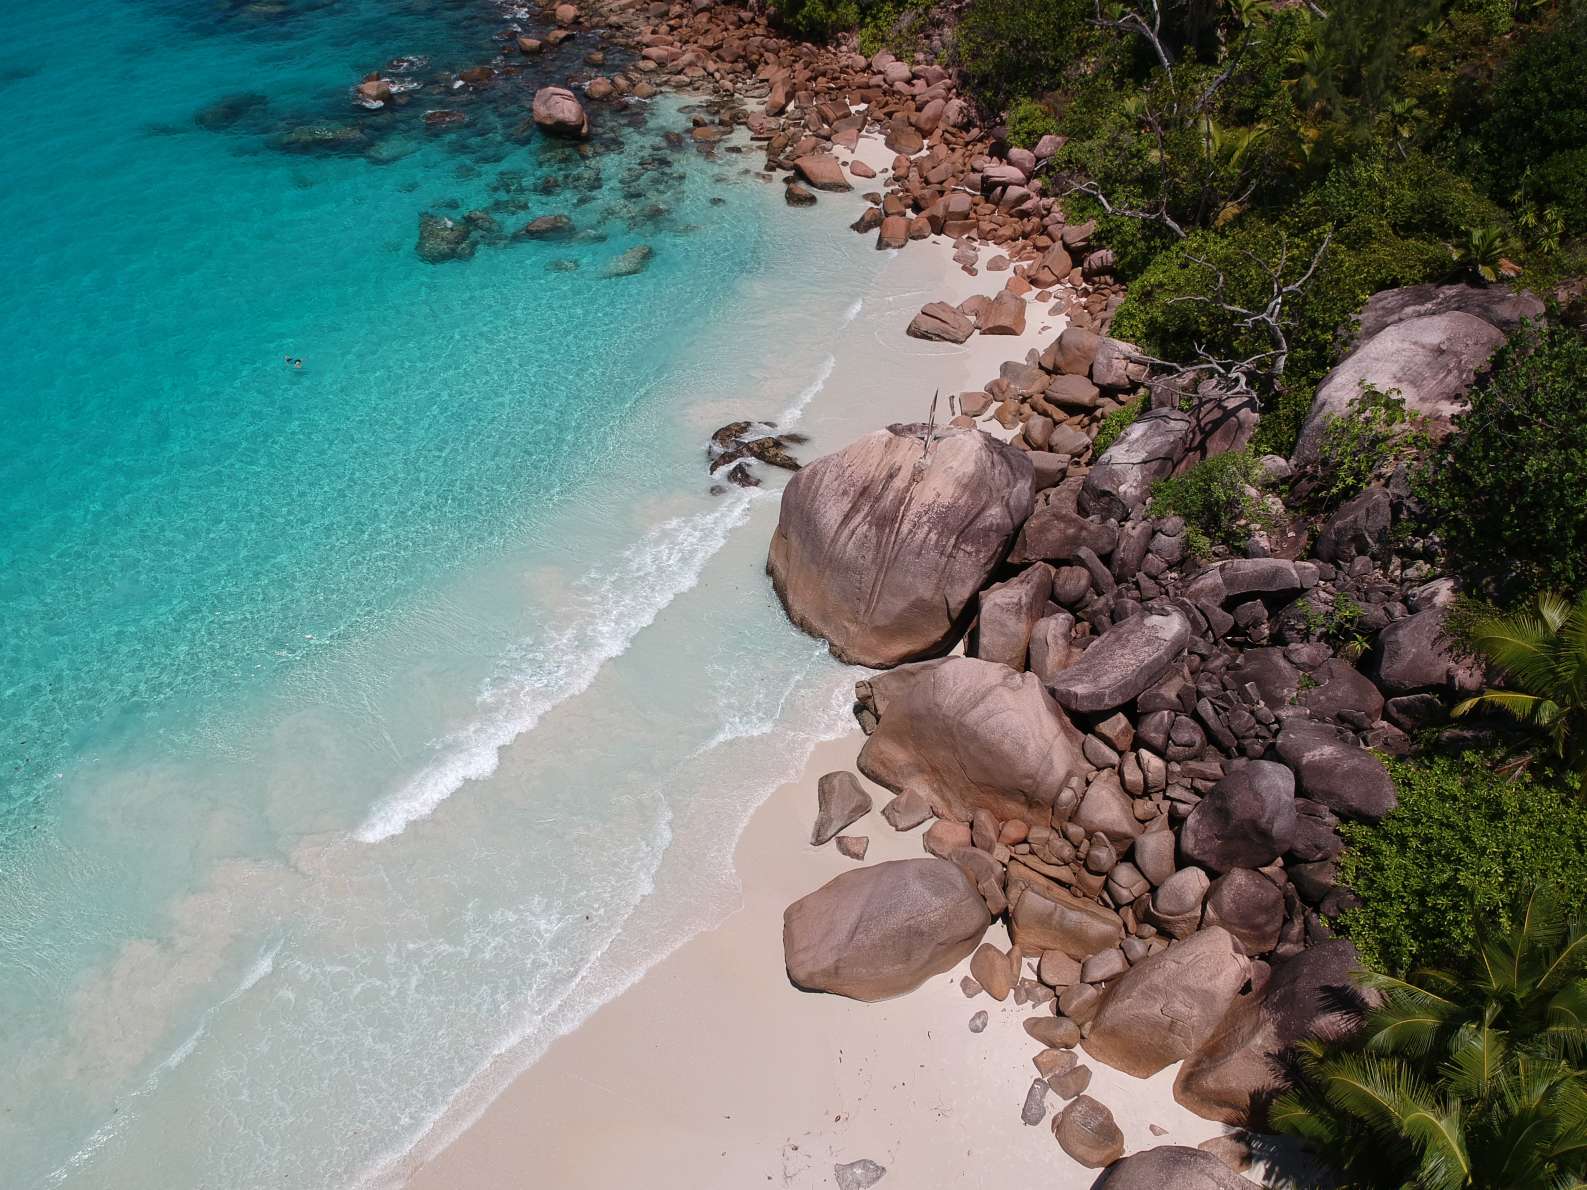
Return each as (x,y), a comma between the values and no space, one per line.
(1055,1032)
(1053,1062)
(969,987)
(990,966)
(978,1021)
(1035,1109)
(1157,1130)
(840,801)
(1086,1131)
(853,846)
(907,811)
(858,1175)
(1070,1082)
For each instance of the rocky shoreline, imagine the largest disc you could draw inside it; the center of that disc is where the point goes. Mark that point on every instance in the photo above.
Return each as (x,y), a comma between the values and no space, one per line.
(1134,753)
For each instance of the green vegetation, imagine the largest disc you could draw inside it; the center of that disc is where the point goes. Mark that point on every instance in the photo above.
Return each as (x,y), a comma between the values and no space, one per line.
(1507,490)
(1116,423)
(1223,150)
(1541,652)
(1028,122)
(1464,836)
(1215,499)
(1365,443)
(1466,1076)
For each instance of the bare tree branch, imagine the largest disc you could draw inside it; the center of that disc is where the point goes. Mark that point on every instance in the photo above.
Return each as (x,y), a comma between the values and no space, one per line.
(1160,215)
(1133,22)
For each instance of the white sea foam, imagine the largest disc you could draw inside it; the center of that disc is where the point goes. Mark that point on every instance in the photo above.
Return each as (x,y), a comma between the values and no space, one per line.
(823,712)
(125,1113)
(611,606)
(852,312)
(807,394)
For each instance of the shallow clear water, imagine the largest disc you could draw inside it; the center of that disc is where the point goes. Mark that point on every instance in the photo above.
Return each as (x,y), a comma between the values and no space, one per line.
(347,715)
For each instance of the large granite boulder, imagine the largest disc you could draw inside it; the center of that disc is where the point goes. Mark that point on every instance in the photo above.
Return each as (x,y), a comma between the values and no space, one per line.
(1504,308)
(942,323)
(1249,906)
(1430,361)
(1126,660)
(1052,918)
(558,111)
(970,735)
(1242,1066)
(1412,655)
(1057,533)
(1360,527)
(881,931)
(1009,613)
(1339,688)
(883,552)
(1331,768)
(1247,821)
(1148,450)
(1171,1167)
(822,170)
(1165,1007)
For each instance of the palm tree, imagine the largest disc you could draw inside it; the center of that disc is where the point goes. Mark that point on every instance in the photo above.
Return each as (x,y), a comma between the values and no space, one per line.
(1460,1079)
(1542,653)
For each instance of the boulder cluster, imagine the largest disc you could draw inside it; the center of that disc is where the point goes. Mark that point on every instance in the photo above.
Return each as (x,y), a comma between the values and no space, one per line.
(1137,758)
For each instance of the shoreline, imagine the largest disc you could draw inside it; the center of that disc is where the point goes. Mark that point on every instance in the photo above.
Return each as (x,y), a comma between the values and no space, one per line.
(960,368)
(712,1070)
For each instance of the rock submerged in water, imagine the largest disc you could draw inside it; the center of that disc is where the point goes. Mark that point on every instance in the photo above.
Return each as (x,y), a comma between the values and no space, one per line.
(881,931)
(442,239)
(230,110)
(547,227)
(636,260)
(883,550)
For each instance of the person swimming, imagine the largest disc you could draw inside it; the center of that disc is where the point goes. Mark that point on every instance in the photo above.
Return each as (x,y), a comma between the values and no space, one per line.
(293,363)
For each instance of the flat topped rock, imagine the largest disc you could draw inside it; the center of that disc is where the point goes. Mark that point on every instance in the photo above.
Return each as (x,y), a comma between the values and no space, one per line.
(1126,660)
(881,931)
(1331,768)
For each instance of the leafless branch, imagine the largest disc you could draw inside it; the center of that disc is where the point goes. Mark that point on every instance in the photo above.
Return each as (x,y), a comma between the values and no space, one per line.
(1134,22)
(1160,215)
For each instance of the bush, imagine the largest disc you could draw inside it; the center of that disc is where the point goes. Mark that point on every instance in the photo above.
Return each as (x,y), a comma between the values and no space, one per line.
(1392,223)
(1535,134)
(1116,423)
(817,20)
(1008,48)
(1215,499)
(1028,122)
(1362,443)
(1464,837)
(1508,492)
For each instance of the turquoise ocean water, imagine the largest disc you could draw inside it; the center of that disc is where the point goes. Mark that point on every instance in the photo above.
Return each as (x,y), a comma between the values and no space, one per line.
(347,714)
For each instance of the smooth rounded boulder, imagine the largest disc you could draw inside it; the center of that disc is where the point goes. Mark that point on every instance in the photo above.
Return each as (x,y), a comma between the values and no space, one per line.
(1428,361)
(881,931)
(1247,821)
(1242,1067)
(1171,1167)
(558,111)
(1165,1007)
(1331,768)
(882,548)
(970,735)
